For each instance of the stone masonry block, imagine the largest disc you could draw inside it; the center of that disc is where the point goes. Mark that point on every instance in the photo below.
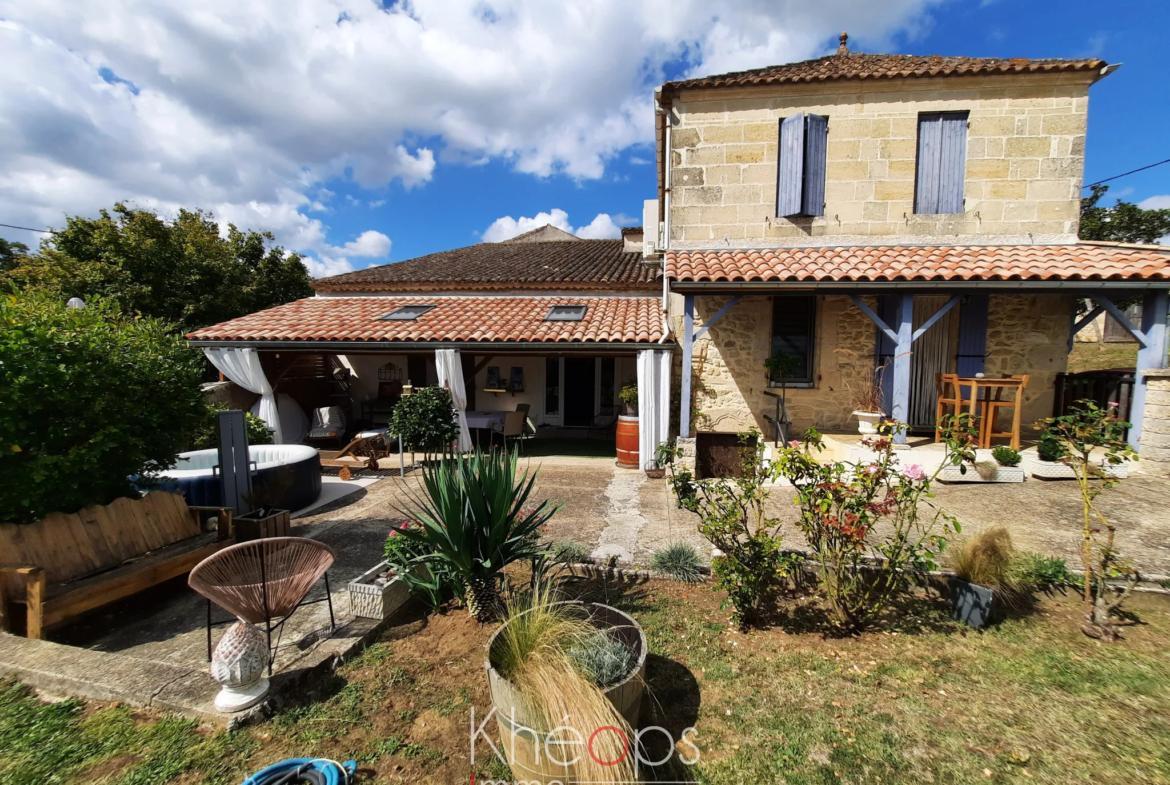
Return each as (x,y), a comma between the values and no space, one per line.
(1009,189)
(705,156)
(1028,147)
(684,137)
(987,169)
(993,126)
(745,153)
(761,132)
(846,170)
(897,148)
(710,194)
(1049,189)
(722,134)
(688,175)
(1063,124)
(893,190)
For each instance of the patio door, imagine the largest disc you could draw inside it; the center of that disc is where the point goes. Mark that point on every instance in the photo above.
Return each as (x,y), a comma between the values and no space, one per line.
(931,355)
(580,391)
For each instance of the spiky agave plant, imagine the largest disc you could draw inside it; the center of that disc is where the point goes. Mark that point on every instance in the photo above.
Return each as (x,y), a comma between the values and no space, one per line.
(472,515)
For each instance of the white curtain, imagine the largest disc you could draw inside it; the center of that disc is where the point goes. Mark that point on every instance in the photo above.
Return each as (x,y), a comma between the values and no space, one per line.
(653,403)
(450,372)
(294,423)
(242,366)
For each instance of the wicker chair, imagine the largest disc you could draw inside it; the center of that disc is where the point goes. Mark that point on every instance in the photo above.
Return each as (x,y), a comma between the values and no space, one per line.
(263,580)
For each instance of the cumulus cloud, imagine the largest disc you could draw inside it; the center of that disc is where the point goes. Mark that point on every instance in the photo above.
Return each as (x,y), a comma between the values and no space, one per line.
(507,227)
(1160,202)
(252,108)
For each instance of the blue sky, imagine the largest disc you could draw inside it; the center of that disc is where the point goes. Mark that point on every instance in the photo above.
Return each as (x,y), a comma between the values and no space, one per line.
(361,137)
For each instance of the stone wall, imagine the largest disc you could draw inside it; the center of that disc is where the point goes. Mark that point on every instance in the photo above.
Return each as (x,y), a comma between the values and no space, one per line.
(1025,162)
(1155,442)
(1026,334)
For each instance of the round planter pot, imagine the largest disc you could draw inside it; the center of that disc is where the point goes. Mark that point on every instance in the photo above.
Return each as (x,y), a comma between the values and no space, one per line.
(523,743)
(867,422)
(627,442)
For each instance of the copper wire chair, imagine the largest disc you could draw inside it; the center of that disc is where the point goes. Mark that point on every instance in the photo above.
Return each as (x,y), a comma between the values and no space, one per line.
(263,580)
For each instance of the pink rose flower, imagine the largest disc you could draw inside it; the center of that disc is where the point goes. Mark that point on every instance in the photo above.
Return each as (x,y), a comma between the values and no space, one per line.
(795,443)
(914,472)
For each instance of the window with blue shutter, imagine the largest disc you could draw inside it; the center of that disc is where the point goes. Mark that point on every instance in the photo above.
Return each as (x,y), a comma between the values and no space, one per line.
(942,162)
(800,169)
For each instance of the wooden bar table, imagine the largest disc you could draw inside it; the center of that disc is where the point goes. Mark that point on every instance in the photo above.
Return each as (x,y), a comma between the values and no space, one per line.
(992,384)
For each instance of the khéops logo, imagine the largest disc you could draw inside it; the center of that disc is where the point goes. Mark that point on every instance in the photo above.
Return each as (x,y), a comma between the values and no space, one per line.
(566,745)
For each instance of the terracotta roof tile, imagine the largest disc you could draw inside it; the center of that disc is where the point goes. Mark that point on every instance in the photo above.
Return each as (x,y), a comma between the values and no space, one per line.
(463,319)
(882,66)
(1079,262)
(559,265)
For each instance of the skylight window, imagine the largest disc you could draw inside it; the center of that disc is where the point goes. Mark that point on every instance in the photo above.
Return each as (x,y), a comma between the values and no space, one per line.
(406,313)
(566,313)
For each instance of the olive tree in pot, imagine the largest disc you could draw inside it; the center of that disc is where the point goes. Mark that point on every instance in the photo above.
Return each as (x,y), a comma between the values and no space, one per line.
(556,665)
(472,519)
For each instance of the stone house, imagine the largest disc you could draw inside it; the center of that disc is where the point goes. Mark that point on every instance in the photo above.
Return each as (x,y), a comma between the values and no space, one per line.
(859,210)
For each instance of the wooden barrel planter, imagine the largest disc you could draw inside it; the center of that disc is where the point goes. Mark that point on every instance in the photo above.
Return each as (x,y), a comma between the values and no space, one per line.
(523,743)
(627,442)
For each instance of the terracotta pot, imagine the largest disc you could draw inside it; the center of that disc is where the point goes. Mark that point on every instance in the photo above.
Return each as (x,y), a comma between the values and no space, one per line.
(627,442)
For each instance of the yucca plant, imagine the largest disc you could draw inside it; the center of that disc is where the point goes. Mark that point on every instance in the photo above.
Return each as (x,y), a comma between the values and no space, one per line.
(472,516)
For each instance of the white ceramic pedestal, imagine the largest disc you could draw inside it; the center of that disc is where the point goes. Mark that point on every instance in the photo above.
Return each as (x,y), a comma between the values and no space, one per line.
(238,664)
(233,699)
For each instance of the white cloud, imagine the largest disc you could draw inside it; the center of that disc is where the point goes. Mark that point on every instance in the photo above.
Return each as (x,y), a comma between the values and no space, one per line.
(601,227)
(252,108)
(1161,202)
(369,243)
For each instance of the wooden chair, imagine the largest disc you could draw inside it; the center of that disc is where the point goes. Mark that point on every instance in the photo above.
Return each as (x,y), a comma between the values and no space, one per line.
(949,394)
(263,580)
(526,408)
(67,564)
(511,428)
(995,404)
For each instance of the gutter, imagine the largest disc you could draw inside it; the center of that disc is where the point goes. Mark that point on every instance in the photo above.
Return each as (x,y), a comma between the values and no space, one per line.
(495,347)
(1012,287)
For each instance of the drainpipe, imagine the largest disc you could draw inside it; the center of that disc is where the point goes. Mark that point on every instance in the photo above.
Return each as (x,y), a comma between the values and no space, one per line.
(664,239)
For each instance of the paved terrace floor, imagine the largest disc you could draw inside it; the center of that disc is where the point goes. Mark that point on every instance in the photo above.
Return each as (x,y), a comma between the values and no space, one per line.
(614,512)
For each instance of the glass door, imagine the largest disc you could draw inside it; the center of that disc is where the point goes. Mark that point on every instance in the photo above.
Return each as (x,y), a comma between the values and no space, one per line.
(553,383)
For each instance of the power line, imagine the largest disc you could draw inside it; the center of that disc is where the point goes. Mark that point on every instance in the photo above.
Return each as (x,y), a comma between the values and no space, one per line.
(1135,171)
(28,228)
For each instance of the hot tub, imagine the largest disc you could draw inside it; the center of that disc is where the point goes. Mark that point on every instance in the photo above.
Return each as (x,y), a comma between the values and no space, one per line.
(195,477)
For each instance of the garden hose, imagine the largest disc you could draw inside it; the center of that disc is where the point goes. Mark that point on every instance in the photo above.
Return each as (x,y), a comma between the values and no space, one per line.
(311,771)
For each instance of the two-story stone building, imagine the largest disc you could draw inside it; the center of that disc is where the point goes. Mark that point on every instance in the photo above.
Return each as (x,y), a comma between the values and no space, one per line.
(939,194)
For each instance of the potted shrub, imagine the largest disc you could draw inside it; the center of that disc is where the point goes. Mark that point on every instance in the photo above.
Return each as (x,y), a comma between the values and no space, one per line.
(425,420)
(1004,467)
(869,400)
(384,588)
(1052,462)
(472,521)
(991,577)
(556,664)
(628,395)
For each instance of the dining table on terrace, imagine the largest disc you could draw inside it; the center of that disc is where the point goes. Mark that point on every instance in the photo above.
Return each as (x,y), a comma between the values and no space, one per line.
(982,397)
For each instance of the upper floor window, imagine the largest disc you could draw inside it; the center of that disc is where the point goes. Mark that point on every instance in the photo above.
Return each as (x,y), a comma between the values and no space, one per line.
(793,327)
(800,169)
(942,162)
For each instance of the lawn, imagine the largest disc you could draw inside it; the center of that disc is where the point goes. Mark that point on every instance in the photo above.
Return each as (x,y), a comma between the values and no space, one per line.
(1101,356)
(1031,700)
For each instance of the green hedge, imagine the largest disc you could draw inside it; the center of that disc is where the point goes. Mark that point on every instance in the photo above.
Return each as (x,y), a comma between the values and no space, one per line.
(90,399)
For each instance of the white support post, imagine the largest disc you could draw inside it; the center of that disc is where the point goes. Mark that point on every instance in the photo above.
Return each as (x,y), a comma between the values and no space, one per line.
(1151,354)
(904,328)
(684,405)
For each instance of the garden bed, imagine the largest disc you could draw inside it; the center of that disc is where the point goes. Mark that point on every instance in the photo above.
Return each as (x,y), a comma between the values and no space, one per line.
(1030,699)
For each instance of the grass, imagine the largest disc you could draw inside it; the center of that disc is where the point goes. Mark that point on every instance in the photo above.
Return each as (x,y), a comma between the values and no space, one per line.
(1028,700)
(1101,356)
(680,561)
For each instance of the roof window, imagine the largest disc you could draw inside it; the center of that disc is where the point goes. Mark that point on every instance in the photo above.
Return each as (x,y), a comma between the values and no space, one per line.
(406,313)
(566,313)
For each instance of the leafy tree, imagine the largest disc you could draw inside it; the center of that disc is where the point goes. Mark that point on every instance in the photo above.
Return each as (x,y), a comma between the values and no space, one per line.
(207,435)
(9,251)
(182,270)
(91,398)
(425,420)
(1124,222)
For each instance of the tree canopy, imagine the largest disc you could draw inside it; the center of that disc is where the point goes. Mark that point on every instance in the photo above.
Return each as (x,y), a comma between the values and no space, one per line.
(9,251)
(181,271)
(1124,222)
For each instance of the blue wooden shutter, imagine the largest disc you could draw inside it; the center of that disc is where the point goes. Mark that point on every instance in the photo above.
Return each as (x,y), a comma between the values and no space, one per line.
(929,146)
(790,167)
(816,137)
(972,336)
(952,162)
